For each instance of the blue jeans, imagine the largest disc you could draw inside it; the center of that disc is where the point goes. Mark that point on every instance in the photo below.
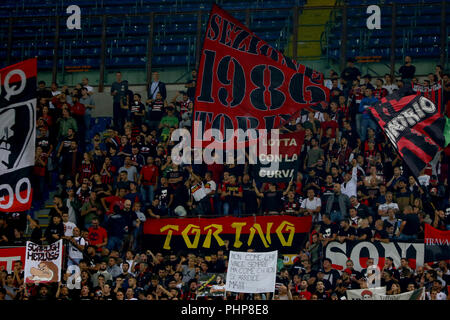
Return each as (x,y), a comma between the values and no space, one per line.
(114,243)
(335,216)
(404,237)
(228,209)
(358,123)
(148,194)
(365,124)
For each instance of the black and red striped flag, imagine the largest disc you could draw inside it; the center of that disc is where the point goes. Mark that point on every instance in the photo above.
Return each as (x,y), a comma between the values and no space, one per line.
(17,134)
(414,124)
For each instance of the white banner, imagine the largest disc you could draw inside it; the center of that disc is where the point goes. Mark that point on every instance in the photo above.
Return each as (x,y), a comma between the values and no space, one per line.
(252,272)
(43,263)
(418,294)
(359,251)
(365,294)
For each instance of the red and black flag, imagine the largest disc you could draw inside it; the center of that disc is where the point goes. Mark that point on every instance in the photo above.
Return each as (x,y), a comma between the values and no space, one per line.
(414,125)
(244,83)
(17,135)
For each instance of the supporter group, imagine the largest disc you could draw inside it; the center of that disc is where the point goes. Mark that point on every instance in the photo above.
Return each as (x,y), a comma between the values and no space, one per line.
(107,184)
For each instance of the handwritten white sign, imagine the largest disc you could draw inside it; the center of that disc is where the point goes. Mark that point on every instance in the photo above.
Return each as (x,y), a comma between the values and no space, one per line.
(252,272)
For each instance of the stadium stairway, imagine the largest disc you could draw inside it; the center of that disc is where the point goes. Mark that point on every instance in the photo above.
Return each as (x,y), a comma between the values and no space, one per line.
(311,25)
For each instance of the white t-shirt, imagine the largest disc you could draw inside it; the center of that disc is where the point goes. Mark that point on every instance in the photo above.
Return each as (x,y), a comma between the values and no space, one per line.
(210,186)
(54,93)
(74,253)
(141,216)
(198,192)
(68,228)
(89,88)
(311,204)
(424,180)
(130,172)
(386,206)
(72,215)
(390,88)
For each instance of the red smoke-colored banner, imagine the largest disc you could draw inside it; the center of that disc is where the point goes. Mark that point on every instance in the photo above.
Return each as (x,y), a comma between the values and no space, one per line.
(243,82)
(17,135)
(435,236)
(228,225)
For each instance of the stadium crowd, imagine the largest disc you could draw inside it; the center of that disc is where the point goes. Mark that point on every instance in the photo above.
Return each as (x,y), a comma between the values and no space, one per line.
(350,180)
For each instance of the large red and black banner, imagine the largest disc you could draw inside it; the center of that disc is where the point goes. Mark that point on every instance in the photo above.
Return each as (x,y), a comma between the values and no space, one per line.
(414,125)
(244,83)
(261,233)
(9,255)
(360,251)
(17,134)
(282,166)
(437,244)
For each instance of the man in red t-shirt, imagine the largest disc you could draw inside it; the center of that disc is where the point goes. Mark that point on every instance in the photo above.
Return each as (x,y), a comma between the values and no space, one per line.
(97,235)
(113,201)
(148,180)
(302,290)
(328,123)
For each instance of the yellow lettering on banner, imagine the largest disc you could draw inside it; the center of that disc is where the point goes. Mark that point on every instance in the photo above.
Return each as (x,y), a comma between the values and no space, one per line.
(238,226)
(192,228)
(171,229)
(265,239)
(219,229)
(291,228)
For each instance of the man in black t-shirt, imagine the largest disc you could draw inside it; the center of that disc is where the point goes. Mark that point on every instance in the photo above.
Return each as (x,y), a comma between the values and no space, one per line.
(328,230)
(410,226)
(137,110)
(250,199)
(272,200)
(190,85)
(330,274)
(345,231)
(165,196)
(349,74)
(43,92)
(407,71)
(380,232)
